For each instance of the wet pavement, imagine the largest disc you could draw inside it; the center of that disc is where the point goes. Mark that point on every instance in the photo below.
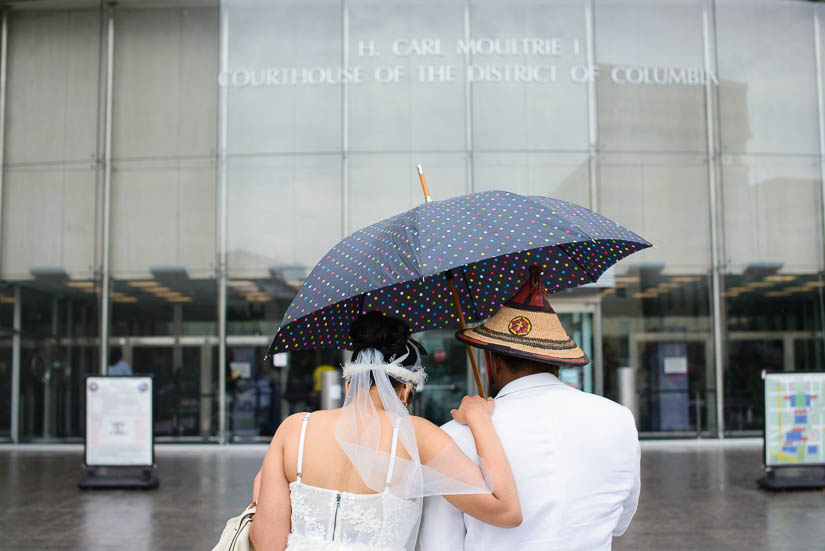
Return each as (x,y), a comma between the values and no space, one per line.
(695,495)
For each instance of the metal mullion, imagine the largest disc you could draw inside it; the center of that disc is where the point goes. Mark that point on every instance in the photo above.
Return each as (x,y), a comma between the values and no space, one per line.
(223,106)
(107,199)
(713,194)
(15,366)
(820,104)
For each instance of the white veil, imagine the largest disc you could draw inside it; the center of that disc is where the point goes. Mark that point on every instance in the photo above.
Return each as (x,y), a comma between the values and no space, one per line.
(365,427)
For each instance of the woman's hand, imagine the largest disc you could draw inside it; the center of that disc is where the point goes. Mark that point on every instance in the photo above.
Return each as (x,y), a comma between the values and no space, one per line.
(473,407)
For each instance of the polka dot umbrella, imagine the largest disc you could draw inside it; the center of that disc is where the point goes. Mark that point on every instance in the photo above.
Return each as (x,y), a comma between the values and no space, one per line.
(484,241)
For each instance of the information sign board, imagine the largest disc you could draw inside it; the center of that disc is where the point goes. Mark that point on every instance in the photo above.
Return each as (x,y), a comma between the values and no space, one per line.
(119,422)
(794,419)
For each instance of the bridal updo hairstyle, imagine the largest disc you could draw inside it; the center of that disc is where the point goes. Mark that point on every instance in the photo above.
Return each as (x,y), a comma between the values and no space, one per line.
(388,335)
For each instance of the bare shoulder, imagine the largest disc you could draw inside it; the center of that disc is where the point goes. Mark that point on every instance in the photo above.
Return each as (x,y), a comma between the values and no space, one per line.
(426,432)
(290,425)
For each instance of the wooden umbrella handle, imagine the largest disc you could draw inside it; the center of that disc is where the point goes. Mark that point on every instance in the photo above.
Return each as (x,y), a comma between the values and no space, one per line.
(463,323)
(424,187)
(456,301)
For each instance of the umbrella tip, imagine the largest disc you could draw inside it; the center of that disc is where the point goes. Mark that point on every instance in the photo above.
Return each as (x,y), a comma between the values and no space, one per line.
(420,170)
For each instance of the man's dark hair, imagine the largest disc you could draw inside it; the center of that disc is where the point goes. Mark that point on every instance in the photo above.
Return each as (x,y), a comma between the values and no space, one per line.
(517,364)
(115,355)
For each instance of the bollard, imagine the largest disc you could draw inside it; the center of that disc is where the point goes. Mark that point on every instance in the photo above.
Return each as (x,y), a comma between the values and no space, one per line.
(627,390)
(332,390)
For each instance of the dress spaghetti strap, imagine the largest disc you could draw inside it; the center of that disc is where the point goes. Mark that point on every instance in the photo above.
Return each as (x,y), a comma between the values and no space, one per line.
(301,447)
(392,454)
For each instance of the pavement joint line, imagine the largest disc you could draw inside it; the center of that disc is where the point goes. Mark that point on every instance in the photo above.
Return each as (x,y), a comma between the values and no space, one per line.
(194,449)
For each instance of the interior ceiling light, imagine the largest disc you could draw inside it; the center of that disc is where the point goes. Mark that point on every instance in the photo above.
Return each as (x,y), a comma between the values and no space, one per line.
(686,279)
(158,289)
(144,283)
(178,299)
(797,289)
(646,294)
(780,278)
(759,284)
(742,289)
(167,294)
(258,298)
(6,300)
(80,284)
(240,283)
(778,294)
(815,284)
(124,299)
(627,279)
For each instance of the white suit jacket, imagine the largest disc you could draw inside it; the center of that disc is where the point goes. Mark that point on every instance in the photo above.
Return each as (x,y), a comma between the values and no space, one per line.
(575,457)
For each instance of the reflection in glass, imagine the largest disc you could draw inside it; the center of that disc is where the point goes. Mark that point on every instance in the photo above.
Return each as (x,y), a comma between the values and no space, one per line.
(660,324)
(775,323)
(58,349)
(759,112)
(165,327)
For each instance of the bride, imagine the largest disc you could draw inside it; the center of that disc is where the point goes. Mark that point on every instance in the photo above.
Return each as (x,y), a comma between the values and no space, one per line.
(352,479)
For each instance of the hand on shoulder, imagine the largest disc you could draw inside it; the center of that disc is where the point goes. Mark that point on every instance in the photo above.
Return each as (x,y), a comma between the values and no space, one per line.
(473,408)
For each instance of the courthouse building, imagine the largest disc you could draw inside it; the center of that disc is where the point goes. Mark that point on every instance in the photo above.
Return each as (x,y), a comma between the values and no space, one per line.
(173,169)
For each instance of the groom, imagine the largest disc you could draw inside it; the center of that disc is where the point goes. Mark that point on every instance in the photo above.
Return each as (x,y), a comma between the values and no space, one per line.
(575,456)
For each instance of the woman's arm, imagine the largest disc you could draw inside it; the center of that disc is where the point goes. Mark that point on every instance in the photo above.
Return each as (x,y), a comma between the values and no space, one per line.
(271,524)
(499,508)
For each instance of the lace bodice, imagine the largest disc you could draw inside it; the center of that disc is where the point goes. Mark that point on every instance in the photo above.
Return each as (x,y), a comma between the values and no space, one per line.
(328,520)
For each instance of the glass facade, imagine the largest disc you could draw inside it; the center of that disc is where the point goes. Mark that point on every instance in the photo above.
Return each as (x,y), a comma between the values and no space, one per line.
(172,171)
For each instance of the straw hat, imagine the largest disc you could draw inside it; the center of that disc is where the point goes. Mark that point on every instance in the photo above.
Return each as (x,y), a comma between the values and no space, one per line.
(526,326)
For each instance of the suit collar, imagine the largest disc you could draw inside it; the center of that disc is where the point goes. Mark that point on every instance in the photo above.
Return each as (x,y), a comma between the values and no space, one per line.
(529,381)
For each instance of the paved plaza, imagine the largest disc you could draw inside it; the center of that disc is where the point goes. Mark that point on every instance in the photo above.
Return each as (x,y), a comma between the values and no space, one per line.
(695,495)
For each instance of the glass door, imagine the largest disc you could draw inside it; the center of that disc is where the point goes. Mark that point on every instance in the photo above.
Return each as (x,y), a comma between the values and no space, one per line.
(579,325)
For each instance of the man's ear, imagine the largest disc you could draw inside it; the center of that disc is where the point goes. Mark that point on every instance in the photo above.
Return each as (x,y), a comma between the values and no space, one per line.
(498,364)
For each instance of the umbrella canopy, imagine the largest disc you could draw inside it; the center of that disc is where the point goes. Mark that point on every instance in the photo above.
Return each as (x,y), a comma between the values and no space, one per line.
(486,240)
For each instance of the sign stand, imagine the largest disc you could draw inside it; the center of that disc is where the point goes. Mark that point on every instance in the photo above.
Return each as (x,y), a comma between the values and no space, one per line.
(119,433)
(794,431)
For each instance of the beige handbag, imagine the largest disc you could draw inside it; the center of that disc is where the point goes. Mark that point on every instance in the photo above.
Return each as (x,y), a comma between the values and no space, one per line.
(235,535)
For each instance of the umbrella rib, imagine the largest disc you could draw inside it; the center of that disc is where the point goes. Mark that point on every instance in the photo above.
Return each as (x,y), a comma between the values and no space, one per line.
(469,293)
(585,270)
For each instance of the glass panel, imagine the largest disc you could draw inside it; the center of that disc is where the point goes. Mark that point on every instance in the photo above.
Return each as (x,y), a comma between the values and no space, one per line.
(651,93)
(284,213)
(165,98)
(561,176)
(164,306)
(523,93)
(172,306)
(59,348)
(255,398)
(448,378)
(660,324)
(579,325)
(774,282)
(52,228)
(663,199)
(385,185)
(177,373)
(284,91)
(772,213)
(657,317)
(760,113)
(176,200)
(412,95)
(53,101)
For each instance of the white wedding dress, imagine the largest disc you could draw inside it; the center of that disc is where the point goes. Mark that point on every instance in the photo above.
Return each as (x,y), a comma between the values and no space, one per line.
(329,520)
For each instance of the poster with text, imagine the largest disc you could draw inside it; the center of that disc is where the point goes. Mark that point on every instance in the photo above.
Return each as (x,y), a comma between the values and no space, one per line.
(119,421)
(794,419)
